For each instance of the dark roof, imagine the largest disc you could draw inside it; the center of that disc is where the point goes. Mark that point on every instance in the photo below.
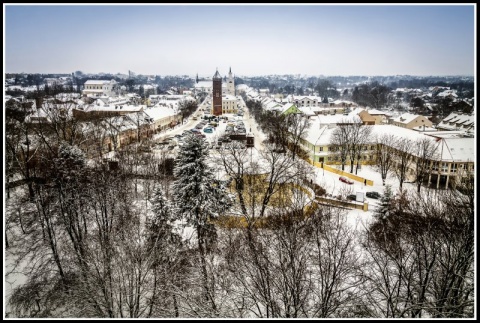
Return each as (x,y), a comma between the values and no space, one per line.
(217,75)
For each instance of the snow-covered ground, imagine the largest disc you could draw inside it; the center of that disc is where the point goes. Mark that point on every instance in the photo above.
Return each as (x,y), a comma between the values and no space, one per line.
(328,180)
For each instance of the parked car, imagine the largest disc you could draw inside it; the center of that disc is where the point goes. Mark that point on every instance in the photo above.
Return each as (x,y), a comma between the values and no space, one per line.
(373,195)
(208,130)
(345,180)
(351,197)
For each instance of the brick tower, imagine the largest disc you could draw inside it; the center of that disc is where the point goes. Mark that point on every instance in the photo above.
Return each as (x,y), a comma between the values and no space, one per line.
(217,94)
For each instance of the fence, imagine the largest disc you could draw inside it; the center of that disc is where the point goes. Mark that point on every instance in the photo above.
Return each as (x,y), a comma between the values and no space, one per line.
(343,173)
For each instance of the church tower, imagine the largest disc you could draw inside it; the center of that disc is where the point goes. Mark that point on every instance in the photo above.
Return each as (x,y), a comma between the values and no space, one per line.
(217,94)
(230,83)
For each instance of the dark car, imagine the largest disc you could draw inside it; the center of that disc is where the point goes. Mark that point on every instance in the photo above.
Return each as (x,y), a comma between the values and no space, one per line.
(373,195)
(352,197)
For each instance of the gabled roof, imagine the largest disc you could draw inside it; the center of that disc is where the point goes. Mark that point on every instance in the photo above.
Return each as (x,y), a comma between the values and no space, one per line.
(365,116)
(406,118)
(287,106)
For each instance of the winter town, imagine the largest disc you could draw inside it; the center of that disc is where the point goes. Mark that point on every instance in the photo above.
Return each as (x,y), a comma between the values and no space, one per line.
(208,186)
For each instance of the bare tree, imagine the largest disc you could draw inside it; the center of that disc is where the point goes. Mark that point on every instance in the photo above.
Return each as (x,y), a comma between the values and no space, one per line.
(20,143)
(421,256)
(336,280)
(340,143)
(424,151)
(403,158)
(297,127)
(359,137)
(384,154)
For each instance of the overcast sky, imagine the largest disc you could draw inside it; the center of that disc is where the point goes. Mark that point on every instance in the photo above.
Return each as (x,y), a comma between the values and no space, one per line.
(252,39)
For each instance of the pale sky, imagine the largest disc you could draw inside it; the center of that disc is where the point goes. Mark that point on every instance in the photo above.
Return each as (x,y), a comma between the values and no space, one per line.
(253,39)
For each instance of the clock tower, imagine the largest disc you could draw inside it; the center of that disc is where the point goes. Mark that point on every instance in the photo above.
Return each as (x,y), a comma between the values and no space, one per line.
(217,94)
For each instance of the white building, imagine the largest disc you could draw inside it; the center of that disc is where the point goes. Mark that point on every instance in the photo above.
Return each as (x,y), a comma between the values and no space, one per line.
(99,87)
(230,83)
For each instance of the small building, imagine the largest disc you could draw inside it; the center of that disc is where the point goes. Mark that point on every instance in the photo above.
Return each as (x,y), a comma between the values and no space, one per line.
(410,121)
(99,87)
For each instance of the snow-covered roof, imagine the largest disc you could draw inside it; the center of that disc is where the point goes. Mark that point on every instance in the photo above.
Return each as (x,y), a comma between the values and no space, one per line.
(38,116)
(97,82)
(375,112)
(406,118)
(447,93)
(424,128)
(126,107)
(285,107)
(157,112)
(308,111)
(228,97)
(339,102)
(339,118)
(307,97)
(463,120)
(203,84)
(458,149)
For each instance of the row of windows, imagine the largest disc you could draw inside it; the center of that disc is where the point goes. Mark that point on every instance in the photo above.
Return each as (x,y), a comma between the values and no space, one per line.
(453,168)
(337,158)
(336,149)
(91,87)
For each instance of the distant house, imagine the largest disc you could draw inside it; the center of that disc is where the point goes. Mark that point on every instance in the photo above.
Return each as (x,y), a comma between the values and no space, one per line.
(307,101)
(289,108)
(458,121)
(203,86)
(410,121)
(264,92)
(99,87)
(366,118)
(379,116)
(163,117)
(102,111)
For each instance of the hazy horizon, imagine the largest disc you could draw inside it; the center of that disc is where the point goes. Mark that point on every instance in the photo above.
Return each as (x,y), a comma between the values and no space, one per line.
(254,40)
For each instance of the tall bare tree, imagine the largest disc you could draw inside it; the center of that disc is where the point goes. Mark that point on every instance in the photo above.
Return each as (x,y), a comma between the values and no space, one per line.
(384,154)
(424,150)
(297,127)
(359,138)
(403,159)
(340,143)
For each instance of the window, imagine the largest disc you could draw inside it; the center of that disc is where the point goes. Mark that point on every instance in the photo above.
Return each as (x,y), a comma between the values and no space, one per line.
(444,167)
(453,169)
(321,149)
